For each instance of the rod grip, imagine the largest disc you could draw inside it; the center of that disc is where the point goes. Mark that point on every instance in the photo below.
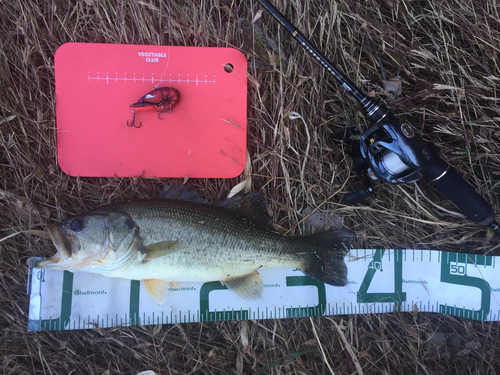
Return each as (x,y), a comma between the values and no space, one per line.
(448,181)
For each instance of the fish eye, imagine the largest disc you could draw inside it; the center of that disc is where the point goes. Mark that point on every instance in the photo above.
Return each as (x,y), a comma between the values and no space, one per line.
(77,224)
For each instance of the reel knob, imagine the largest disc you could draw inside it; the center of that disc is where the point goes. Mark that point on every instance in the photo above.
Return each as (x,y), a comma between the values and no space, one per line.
(356,197)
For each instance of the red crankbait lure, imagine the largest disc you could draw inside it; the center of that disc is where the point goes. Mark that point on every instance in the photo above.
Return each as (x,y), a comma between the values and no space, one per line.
(162,99)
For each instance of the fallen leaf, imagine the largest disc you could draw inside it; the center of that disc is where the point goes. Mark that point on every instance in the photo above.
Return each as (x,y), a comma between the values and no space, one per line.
(436,342)
(246,184)
(257,16)
(244,337)
(278,228)
(394,86)
(311,342)
(412,332)
(322,219)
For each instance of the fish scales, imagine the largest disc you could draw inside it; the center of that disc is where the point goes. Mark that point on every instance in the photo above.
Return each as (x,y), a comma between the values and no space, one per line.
(214,242)
(163,241)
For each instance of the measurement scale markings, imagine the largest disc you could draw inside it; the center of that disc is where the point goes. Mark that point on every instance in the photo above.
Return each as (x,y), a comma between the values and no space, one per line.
(116,79)
(464,261)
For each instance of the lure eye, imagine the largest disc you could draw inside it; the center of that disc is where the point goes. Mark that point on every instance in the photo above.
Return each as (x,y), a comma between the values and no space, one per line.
(77,224)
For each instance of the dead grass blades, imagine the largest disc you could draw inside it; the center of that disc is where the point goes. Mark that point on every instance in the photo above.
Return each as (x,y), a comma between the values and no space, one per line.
(446,55)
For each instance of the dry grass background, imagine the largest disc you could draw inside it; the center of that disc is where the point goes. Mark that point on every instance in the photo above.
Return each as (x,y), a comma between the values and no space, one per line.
(446,53)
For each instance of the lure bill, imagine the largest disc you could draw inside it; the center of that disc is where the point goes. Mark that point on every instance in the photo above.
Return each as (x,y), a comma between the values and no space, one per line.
(162,99)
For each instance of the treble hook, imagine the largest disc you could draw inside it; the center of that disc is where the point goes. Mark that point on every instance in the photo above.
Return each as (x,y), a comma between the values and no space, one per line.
(160,112)
(133,121)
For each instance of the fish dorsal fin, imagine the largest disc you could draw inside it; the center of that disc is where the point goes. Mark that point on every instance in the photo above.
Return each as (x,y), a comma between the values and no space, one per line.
(157,289)
(159,249)
(251,206)
(248,287)
(178,192)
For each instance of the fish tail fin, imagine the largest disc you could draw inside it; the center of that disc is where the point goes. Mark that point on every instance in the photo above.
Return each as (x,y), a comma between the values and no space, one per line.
(326,262)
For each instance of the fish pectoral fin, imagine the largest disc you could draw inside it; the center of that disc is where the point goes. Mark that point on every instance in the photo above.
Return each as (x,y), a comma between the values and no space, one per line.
(248,286)
(159,249)
(157,289)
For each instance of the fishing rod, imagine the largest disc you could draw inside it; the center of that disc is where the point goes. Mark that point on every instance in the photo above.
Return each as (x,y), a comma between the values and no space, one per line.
(391,150)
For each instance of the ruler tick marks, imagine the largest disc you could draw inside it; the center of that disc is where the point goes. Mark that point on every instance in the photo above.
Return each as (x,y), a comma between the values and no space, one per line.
(180,78)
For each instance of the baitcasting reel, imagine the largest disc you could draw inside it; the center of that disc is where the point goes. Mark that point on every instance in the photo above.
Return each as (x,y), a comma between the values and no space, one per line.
(391,152)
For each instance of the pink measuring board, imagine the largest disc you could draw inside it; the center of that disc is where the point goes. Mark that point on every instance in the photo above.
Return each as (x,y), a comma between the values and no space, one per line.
(204,136)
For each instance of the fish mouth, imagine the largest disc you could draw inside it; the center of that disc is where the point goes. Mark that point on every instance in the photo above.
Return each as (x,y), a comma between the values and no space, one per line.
(62,259)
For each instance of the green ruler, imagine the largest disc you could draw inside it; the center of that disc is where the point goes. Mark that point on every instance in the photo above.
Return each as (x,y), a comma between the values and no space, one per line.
(380,281)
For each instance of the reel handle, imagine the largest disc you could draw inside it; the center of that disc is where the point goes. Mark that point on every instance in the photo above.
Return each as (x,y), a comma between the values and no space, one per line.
(356,197)
(448,181)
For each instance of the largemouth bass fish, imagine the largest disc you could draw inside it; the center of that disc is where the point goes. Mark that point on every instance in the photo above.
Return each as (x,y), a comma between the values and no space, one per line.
(168,241)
